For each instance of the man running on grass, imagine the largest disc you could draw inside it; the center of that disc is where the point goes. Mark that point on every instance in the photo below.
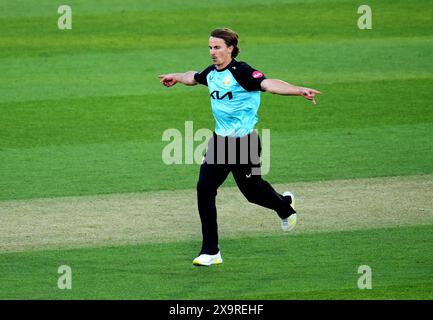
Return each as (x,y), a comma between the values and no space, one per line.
(234,89)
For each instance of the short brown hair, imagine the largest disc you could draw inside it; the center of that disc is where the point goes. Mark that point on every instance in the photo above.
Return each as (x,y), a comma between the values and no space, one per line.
(230,38)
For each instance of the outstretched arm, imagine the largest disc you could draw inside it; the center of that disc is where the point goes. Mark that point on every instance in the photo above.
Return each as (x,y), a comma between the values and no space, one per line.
(283,88)
(171,79)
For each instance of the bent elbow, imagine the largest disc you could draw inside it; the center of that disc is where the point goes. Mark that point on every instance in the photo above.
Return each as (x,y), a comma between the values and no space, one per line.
(271,90)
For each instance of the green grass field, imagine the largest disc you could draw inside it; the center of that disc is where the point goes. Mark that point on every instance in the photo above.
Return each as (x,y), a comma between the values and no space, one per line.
(82,115)
(400,260)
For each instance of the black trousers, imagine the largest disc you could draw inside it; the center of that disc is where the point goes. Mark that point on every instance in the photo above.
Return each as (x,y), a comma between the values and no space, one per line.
(219,161)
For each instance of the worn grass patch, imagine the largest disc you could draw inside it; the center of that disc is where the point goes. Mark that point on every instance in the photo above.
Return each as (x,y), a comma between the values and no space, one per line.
(166,216)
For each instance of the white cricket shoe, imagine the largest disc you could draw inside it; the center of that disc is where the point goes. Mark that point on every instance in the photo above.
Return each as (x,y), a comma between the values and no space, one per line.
(289,223)
(208,259)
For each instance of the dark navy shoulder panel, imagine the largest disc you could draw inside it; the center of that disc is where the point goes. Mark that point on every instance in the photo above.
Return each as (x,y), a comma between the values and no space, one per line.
(200,77)
(249,78)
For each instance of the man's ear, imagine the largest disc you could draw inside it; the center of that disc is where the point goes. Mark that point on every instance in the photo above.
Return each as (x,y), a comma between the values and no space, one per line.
(230,49)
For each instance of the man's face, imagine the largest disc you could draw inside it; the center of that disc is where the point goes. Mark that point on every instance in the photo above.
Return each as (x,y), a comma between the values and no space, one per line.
(219,52)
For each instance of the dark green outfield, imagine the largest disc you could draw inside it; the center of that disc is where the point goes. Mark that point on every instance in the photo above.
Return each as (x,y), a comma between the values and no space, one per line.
(82,111)
(308,266)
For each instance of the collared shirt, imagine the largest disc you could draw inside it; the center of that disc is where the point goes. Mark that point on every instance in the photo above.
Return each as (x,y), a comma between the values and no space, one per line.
(235,97)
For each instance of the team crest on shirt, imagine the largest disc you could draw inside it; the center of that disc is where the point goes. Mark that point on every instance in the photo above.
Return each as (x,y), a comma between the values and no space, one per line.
(226,81)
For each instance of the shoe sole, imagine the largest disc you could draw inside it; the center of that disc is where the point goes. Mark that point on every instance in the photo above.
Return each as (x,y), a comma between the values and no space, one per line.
(288,193)
(293,219)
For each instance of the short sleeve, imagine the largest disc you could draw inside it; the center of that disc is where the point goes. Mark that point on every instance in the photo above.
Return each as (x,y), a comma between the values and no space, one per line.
(200,77)
(248,77)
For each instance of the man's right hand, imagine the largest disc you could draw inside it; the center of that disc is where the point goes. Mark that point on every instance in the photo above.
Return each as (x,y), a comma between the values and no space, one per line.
(167,80)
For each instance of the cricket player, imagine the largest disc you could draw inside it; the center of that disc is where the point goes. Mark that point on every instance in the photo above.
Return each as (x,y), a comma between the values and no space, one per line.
(234,89)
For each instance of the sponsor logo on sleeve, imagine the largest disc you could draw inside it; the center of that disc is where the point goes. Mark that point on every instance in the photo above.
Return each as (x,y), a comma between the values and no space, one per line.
(226,81)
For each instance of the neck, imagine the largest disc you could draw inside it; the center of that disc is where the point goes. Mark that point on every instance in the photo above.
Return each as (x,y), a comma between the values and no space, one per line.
(225,64)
